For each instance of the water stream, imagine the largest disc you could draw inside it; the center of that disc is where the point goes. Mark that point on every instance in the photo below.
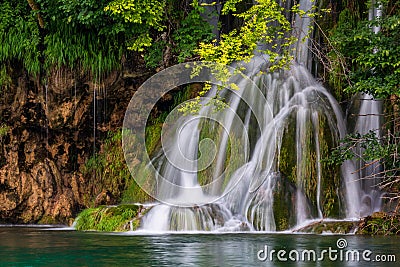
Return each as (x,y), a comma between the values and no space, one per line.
(257,164)
(369,118)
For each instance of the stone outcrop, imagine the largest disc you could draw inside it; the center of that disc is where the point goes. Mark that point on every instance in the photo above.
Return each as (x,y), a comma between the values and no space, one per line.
(51,129)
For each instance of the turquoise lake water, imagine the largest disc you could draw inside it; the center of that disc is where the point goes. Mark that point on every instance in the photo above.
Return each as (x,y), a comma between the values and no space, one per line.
(44,246)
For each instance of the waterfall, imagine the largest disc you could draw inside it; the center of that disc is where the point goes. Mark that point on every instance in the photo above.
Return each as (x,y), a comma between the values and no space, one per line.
(301,28)
(256,164)
(288,118)
(369,119)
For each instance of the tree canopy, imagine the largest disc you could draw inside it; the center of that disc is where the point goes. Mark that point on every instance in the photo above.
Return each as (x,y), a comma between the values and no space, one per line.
(371,60)
(95,34)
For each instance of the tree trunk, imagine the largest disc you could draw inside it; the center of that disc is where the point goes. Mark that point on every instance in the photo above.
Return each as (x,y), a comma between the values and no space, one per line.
(34,7)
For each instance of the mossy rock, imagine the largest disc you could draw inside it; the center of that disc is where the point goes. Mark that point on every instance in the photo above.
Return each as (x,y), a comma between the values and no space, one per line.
(47,219)
(305,174)
(380,223)
(110,218)
(283,206)
(334,227)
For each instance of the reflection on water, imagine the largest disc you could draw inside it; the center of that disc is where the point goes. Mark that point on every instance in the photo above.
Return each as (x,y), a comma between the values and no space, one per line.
(22,246)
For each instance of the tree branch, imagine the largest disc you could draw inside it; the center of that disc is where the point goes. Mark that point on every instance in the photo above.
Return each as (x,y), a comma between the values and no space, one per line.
(35,7)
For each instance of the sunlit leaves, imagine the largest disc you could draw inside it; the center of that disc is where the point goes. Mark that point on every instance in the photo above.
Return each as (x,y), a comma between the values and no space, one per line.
(144,15)
(264,23)
(148,12)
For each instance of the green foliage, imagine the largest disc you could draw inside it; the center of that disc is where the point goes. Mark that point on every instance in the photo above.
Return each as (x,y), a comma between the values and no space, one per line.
(108,219)
(372,149)
(109,167)
(380,223)
(371,61)
(90,13)
(147,12)
(368,148)
(76,35)
(264,23)
(93,35)
(74,48)
(19,36)
(154,55)
(192,30)
(144,16)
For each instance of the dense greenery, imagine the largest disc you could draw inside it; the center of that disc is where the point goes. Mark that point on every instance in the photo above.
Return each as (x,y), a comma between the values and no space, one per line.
(365,57)
(367,51)
(380,223)
(96,35)
(372,149)
(109,167)
(263,23)
(109,219)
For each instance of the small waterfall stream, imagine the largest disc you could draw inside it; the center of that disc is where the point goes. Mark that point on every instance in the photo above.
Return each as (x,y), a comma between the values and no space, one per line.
(369,119)
(284,132)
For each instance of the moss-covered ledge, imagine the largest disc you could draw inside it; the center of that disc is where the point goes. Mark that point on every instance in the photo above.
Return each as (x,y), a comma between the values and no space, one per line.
(380,223)
(330,226)
(110,218)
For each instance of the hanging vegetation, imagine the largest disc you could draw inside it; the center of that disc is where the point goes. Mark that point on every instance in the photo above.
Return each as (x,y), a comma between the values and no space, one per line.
(94,35)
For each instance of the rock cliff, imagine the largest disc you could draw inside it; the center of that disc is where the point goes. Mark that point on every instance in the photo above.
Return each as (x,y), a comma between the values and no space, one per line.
(49,130)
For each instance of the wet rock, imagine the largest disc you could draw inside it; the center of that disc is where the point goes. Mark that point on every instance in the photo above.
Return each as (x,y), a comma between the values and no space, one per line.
(105,198)
(380,223)
(331,227)
(50,139)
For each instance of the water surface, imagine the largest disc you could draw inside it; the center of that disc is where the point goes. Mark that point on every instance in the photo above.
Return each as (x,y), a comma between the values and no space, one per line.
(43,246)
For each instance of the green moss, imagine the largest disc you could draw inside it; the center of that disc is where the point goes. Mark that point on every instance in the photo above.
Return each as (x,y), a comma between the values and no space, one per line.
(47,219)
(283,208)
(380,223)
(153,137)
(211,130)
(133,192)
(4,130)
(305,174)
(287,159)
(111,172)
(339,227)
(234,147)
(330,198)
(109,219)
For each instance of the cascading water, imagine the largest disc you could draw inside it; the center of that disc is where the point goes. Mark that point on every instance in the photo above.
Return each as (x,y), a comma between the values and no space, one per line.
(286,128)
(369,119)
(297,114)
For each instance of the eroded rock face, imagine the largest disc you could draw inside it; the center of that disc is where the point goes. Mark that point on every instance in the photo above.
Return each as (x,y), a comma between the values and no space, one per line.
(50,135)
